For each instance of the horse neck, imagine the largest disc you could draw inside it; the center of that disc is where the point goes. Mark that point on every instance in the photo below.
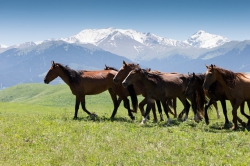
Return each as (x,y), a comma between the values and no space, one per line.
(148,84)
(223,83)
(64,76)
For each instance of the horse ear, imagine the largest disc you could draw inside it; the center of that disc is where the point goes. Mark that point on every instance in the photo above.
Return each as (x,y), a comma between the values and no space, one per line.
(124,63)
(53,63)
(193,74)
(206,66)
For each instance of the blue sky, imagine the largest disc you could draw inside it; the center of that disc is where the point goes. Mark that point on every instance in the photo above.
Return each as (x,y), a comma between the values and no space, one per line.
(36,20)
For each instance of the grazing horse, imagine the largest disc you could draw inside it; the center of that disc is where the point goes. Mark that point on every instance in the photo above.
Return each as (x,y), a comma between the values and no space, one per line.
(140,89)
(84,82)
(235,85)
(159,87)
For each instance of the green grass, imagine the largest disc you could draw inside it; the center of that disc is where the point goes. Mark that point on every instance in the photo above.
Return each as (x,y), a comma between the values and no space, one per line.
(37,129)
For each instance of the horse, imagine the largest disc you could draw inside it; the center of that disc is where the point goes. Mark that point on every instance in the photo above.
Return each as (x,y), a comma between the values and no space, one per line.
(214,94)
(83,82)
(140,89)
(159,87)
(235,85)
(130,92)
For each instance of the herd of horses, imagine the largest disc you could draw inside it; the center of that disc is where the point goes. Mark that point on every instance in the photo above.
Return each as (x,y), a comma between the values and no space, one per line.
(198,91)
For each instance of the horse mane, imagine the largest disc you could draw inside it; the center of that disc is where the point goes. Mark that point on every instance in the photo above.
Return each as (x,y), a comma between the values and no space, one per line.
(133,65)
(152,76)
(199,93)
(110,68)
(73,75)
(228,76)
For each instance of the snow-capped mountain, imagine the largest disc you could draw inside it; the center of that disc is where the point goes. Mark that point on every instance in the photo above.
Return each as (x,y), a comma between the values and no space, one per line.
(96,36)
(92,49)
(203,39)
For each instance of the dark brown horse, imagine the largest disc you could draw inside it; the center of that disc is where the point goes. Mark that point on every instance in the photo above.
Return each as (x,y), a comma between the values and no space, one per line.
(129,92)
(214,93)
(84,82)
(140,89)
(159,87)
(235,85)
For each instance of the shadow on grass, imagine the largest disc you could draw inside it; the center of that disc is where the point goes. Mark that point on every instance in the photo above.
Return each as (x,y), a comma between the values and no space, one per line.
(190,123)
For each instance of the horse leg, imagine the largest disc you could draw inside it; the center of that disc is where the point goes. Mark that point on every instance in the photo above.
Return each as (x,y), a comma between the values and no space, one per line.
(115,102)
(84,107)
(169,110)
(186,106)
(76,108)
(126,105)
(235,105)
(206,108)
(217,110)
(148,108)
(224,108)
(158,103)
(154,112)
(248,104)
(141,105)
(164,104)
(242,106)
(174,106)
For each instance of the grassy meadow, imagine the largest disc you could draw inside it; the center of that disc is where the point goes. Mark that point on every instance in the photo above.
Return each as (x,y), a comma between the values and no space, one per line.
(37,128)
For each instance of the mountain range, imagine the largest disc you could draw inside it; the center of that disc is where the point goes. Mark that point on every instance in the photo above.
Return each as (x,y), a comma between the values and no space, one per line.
(91,49)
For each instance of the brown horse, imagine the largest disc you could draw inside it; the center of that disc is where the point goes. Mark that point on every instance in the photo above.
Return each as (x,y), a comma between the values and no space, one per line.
(159,87)
(235,85)
(85,82)
(215,93)
(140,89)
(129,92)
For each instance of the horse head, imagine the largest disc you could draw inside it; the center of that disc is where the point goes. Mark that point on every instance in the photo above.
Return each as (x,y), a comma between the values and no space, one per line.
(190,89)
(52,73)
(210,77)
(132,77)
(124,71)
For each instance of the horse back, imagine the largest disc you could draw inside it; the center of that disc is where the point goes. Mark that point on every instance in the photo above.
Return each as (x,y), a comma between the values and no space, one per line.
(95,82)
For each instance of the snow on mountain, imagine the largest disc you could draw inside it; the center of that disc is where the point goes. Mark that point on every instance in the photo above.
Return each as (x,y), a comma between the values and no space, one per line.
(203,39)
(96,36)
(3,46)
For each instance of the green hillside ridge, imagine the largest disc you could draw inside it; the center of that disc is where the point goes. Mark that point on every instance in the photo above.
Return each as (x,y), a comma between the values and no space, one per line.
(47,95)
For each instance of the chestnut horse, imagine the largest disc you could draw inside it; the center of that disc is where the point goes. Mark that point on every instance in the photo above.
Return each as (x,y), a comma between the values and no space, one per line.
(159,87)
(235,85)
(140,89)
(84,82)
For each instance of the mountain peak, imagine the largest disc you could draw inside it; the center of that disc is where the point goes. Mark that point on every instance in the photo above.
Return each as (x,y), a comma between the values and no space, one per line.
(203,39)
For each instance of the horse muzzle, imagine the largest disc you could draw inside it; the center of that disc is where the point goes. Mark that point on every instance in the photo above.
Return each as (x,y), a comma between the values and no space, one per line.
(205,87)
(124,84)
(46,81)
(115,81)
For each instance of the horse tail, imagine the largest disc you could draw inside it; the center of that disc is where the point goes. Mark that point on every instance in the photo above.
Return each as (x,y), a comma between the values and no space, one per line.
(133,97)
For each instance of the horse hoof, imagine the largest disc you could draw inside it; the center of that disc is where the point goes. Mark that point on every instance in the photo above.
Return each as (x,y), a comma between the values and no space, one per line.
(155,121)
(234,128)
(132,118)
(75,118)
